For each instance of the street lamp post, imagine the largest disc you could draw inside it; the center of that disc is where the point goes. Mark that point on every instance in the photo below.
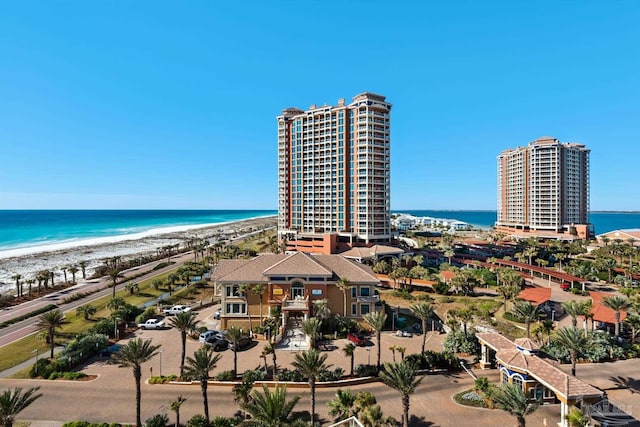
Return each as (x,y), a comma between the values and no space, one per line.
(36,368)
(115,328)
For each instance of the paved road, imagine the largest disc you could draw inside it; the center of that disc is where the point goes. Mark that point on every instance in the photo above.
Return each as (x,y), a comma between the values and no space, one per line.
(110,397)
(26,327)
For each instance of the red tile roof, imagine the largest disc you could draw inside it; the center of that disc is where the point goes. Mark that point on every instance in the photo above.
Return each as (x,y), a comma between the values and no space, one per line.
(535,295)
(602,313)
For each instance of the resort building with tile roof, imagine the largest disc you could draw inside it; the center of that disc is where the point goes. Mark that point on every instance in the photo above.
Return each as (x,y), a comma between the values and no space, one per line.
(539,378)
(293,282)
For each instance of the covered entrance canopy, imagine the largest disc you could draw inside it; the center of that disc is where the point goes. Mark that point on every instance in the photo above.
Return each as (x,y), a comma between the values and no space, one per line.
(520,364)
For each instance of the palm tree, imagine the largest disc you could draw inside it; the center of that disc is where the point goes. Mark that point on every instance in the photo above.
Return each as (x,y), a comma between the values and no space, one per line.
(423,311)
(576,418)
(132,287)
(259,290)
(530,253)
(270,348)
(270,409)
(17,278)
(198,368)
(528,312)
(185,322)
(311,328)
(617,304)
(244,290)
(342,406)
(376,320)
(511,399)
(576,308)
(449,254)
(633,320)
(175,407)
(115,274)
(86,311)
(73,270)
(234,334)
(401,376)
(372,416)
(311,363)
(573,340)
(349,350)
(133,355)
(242,392)
(12,402)
(344,285)
(508,292)
(50,321)
(83,267)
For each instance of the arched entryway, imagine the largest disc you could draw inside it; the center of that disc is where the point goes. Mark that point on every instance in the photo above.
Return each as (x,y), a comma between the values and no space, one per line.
(297,290)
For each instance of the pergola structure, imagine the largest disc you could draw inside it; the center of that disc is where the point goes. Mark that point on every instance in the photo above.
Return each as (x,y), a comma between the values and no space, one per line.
(519,364)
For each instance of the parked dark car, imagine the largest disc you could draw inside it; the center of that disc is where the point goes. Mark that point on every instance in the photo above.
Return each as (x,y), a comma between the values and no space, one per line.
(356,338)
(243,342)
(217,343)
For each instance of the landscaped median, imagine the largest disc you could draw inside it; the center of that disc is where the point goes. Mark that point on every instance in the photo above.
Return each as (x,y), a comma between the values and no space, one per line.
(102,318)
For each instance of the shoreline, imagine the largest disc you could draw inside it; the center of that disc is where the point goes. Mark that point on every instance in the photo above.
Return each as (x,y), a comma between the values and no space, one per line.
(94,251)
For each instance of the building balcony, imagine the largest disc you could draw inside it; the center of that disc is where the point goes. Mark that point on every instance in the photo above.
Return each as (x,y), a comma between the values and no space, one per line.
(368,299)
(295,304)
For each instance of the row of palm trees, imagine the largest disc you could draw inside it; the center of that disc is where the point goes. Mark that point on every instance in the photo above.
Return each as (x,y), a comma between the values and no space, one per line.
(45,279)
(401,376)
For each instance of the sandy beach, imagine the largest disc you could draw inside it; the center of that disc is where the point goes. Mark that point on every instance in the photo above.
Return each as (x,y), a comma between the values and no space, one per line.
(28,261)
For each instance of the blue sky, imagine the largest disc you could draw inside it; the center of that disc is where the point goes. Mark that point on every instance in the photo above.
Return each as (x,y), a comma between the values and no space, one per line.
(151,104)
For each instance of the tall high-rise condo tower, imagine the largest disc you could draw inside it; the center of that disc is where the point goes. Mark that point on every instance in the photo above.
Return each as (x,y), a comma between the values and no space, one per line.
(543,190)
(333,174)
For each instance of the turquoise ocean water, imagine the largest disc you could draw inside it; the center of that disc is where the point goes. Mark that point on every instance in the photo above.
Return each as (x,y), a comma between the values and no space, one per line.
(28,228)
(602,221)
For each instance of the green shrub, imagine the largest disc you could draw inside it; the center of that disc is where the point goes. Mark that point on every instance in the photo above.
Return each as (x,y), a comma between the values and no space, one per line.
(458,342)
(147,314)
(73,375)
(225,422)
(254,375)
(226,376)
(158,420)
(161,379)
(366,371)
(482,384)
(403,293)
(198,420)
(441,288)
(512,317)
(331,376)
(162,265)
(28,315)
(287,375)
(103,327)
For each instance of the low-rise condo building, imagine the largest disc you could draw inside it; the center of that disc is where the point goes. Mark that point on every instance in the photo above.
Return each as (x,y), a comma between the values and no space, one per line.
(543,190)
(294,283)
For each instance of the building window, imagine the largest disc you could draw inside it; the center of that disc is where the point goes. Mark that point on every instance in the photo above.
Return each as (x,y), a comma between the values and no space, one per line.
(233,291)
(236,308)
(365,309)
(517,380)
(365,291)
(354,309)
(354,292)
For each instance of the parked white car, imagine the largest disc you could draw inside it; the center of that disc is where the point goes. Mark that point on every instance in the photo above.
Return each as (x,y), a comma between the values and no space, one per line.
(152,324)
(176,309)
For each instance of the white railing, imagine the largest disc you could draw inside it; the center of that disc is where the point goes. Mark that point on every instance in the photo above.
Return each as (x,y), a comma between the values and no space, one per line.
(369,299)
(349,422)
